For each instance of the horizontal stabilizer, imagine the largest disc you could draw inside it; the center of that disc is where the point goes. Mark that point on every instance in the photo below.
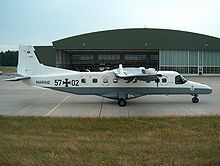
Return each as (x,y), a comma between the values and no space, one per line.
(17,78)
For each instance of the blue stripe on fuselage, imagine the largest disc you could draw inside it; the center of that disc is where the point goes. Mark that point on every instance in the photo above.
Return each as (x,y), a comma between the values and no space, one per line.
(113,92)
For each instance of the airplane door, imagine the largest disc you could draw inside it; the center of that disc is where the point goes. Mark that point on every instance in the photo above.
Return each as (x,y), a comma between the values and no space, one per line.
(200,70)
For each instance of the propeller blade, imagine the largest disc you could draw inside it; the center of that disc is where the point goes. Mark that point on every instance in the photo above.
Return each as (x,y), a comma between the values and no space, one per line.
(157,81)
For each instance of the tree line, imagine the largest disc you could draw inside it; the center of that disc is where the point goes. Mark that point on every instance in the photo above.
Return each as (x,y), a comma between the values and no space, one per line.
(9,58)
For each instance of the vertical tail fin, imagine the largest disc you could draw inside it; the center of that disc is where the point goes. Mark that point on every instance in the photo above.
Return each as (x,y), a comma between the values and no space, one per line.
(28,64)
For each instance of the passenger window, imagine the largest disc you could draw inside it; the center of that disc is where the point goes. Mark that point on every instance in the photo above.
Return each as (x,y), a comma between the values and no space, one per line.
(115,80)
(105,80)
(94,80)
(164,80)
(83,80)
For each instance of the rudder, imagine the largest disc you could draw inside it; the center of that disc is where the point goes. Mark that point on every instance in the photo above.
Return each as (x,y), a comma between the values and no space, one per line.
(28,63)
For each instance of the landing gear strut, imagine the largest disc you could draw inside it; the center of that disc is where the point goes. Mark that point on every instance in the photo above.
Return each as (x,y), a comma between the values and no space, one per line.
(122,102)
(195,99)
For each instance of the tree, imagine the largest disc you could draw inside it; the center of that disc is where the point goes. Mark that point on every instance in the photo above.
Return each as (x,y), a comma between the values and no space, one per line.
(9,58)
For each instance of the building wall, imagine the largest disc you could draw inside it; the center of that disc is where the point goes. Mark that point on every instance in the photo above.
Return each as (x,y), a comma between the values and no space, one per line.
(185,62)
(190,62)
(164,49)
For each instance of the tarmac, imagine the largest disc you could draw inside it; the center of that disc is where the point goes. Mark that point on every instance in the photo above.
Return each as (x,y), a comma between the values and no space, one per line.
(18,99)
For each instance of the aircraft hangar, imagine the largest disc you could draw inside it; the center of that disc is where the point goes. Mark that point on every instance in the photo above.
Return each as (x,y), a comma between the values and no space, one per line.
(186,52)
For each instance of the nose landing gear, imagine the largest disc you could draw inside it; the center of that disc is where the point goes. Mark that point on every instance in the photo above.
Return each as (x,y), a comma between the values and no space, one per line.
(195,99)
(122,102)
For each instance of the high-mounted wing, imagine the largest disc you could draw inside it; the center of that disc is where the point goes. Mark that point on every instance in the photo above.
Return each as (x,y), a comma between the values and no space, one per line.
(141,74)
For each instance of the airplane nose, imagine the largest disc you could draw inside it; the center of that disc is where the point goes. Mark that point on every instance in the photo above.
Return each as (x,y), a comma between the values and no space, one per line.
(208,89)
(201,88)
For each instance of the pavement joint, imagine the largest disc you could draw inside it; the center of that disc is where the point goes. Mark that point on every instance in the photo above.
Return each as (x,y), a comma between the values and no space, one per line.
(181,108)
(59,104)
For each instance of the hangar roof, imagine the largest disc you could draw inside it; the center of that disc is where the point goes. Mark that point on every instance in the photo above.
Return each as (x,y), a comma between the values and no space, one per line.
(139,39)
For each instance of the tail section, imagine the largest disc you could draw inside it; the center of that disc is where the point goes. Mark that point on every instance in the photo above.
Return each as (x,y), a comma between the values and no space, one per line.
(28,64)
(27,61)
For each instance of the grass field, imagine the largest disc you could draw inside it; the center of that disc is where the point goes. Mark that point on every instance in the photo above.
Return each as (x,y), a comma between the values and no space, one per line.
(7,69)
(103,141)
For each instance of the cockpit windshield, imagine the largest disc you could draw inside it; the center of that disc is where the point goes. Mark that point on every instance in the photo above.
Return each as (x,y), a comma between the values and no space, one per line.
(183,78)
(180,79)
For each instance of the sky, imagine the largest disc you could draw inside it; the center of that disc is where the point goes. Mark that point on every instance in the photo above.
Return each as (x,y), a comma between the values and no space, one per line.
(39,22)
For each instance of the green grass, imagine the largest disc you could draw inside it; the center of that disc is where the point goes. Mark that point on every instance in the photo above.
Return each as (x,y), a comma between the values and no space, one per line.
(113,141)
(8,69)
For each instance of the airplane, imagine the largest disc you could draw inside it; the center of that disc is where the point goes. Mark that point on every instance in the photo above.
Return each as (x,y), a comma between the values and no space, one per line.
(120,84)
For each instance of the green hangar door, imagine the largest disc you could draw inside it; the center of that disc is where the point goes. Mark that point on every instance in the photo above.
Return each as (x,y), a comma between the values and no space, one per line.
(106,60)
(147,59)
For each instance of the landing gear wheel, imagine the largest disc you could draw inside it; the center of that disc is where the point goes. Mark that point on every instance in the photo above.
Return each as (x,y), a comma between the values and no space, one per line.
(122,102)
(195,100)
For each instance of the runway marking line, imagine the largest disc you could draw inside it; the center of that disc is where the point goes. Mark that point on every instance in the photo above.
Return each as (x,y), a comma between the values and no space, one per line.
(100,112)
(53,109)
(181,108)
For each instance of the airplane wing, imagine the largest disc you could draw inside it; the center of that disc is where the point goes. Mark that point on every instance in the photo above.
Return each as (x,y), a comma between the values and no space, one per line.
(17,78)
(141,74)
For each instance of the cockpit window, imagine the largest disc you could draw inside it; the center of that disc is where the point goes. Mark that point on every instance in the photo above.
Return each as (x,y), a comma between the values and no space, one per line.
(180,79)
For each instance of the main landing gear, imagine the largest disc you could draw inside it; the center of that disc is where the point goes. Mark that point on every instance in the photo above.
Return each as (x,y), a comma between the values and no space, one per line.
(122,102)
(195,99)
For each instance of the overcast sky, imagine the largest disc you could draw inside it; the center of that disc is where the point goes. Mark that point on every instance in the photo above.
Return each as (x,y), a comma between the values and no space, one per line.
(39,22)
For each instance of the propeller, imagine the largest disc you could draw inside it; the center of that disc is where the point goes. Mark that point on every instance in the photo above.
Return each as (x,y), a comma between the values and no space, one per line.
(158,79)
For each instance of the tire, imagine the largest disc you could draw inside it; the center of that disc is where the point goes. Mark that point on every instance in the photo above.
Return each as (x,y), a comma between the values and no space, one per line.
(195,100)
(122,102)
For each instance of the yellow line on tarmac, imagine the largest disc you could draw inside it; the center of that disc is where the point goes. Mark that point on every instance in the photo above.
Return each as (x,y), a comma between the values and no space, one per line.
(53,109)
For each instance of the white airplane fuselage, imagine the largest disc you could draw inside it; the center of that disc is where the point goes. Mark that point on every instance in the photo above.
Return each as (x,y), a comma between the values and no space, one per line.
(106,84)
(120,84)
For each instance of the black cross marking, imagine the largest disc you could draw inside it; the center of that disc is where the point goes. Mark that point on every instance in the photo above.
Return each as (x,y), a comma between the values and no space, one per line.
(66,82)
